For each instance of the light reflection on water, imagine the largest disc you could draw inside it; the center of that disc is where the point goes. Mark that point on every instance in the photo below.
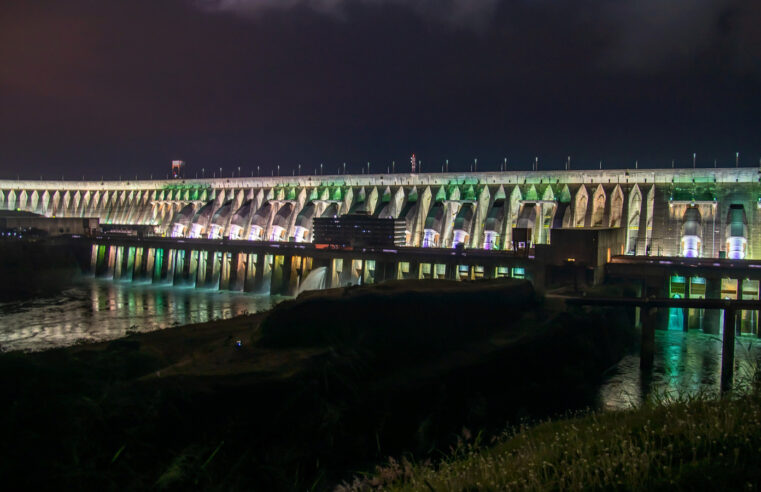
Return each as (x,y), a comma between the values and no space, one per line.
(101,310)
(685,364)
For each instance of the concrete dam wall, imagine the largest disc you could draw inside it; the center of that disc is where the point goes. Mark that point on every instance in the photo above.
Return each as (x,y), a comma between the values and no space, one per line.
(708,213)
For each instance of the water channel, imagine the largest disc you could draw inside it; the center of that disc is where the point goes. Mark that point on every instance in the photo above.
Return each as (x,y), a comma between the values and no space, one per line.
(100,310)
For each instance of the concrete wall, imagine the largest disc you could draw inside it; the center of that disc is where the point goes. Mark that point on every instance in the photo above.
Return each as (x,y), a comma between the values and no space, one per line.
(649,204)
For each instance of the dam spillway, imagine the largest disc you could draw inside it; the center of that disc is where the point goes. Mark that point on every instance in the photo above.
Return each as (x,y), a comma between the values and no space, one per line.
(704,213)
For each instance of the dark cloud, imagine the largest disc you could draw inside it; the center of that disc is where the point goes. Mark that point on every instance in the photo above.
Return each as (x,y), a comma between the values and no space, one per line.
(463,13)
(98,87)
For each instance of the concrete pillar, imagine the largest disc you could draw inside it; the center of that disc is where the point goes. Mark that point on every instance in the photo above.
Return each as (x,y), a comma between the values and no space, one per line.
(259,273)
(728,350)
(686,311)
(225,269)
(283,276)
(101,263)
(94,259)
(213,262)
(180,260)
(647,347)
(129,269)
(238,271)
(331,276)
(111,263)
(712,316)
(251,262)
(203,259)
(120,263)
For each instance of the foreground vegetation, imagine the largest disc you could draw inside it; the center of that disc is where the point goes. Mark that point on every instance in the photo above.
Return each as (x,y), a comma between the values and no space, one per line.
(696,443)
(319,388)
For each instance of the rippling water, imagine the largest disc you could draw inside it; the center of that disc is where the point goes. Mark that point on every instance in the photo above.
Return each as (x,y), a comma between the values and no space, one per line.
(685,364)
(98,310)
(101,310)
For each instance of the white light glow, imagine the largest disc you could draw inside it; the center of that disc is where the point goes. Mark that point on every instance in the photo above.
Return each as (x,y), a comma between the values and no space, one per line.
(690,246)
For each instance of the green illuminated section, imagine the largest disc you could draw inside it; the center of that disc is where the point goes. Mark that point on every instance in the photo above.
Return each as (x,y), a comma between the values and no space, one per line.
(531,193)
(468,194)
(441,195)
(565,195)
(386,196)
(186,191)
(464,181)
(692,193)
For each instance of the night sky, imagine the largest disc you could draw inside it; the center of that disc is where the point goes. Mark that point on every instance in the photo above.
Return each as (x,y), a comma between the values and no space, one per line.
(94,87)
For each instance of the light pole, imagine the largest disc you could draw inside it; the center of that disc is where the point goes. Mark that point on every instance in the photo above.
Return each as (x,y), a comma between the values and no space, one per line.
(694,157)
(239,171)
(368,167)
(278,169)
(220,173)
(475,165)
(344,168)
(321,169)
(203,172)
(257,170)
(737,159)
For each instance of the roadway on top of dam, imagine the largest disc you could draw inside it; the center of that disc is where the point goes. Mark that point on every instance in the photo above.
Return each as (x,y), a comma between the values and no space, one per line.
(698,175)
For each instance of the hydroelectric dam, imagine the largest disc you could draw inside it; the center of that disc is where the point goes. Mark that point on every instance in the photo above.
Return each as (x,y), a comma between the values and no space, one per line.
(684,232)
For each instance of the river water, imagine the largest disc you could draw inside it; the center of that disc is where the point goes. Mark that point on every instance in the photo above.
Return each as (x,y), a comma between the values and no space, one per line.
(100,310)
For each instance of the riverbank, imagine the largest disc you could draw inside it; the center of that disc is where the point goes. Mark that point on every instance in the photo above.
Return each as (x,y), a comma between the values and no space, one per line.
(35,268)
(286,409)
(693,444)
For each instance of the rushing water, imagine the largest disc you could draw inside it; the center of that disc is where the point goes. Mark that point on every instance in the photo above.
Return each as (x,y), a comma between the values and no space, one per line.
(99,310)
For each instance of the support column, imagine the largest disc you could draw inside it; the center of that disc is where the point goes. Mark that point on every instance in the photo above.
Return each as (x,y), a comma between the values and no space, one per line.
(258,285)
(728,349)
(94,259)
(712,316)
(686,311)
(225,269)
(647,348)
(251,268)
